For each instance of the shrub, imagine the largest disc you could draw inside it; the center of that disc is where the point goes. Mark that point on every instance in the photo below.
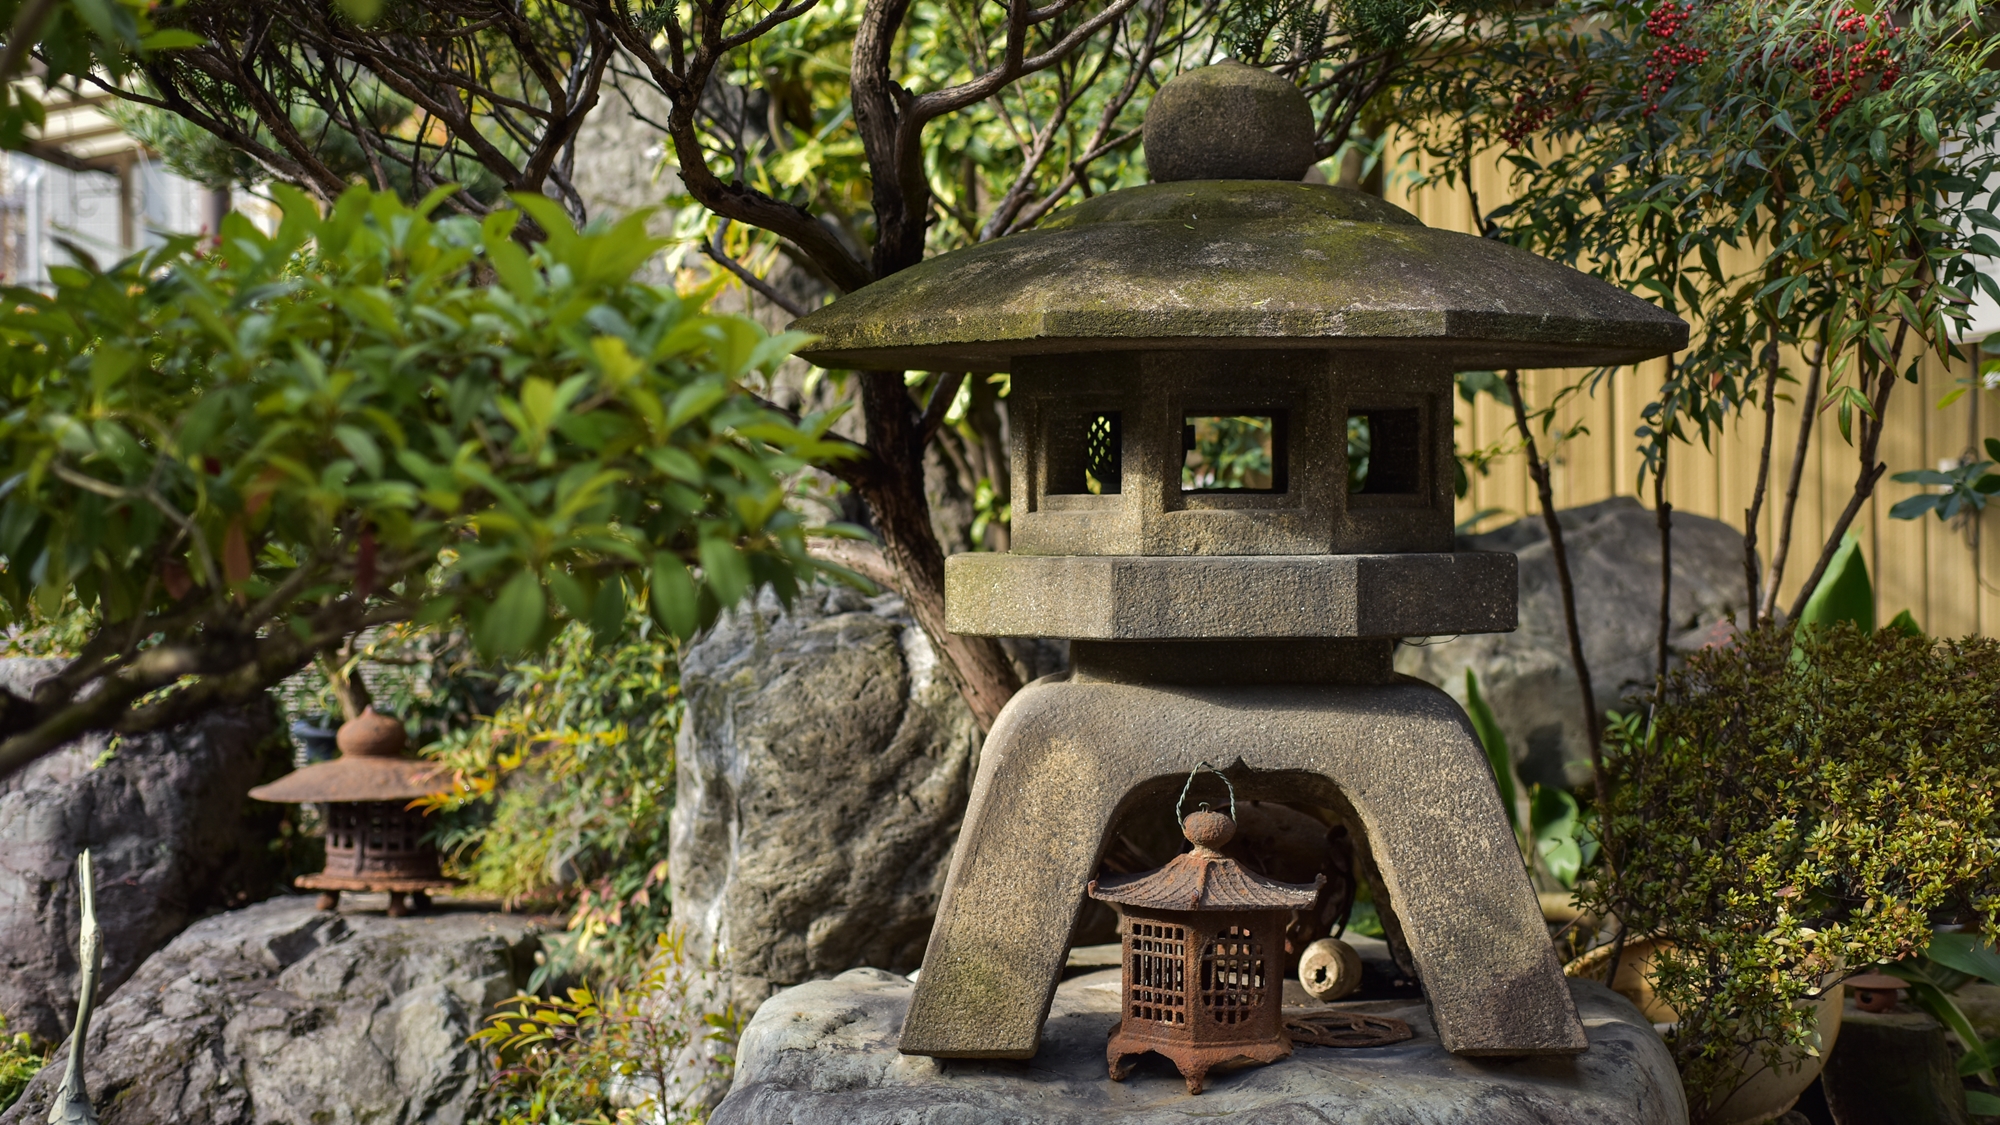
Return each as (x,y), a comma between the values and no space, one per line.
(563,795)
(238,459)
(1802,804)
(651,1051)
(19,1063)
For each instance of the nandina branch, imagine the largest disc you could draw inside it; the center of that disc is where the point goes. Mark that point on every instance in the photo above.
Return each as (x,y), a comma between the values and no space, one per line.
(1593,722)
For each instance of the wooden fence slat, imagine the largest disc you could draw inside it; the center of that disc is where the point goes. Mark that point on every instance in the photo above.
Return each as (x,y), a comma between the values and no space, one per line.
(1947,576)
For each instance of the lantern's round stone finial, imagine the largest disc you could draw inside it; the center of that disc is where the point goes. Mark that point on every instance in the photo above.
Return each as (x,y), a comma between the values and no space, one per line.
(372,734)
(1228,122)
(1207,829)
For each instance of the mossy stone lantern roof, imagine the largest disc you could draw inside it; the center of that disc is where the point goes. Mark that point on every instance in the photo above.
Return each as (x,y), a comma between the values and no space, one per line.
(1233,256)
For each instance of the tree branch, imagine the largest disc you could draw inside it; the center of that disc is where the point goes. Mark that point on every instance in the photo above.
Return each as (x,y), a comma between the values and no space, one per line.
(713,250)
(1593,723)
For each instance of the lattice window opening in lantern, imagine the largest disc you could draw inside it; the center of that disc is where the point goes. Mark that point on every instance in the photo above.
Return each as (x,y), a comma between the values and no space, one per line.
(340,823)
(1159,973)
(1234,452)
(1085,454)
(392,830)
(1232,976)
(1385,452)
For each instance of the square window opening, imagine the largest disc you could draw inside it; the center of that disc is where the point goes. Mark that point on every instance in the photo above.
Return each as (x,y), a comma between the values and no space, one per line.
(1084,455)
(1384,452)
(1233,453)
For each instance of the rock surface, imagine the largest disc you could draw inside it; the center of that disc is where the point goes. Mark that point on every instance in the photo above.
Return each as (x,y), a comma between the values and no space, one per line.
(1614,552)
(170,831)
(824,1054)
(279,1014)
(824,768)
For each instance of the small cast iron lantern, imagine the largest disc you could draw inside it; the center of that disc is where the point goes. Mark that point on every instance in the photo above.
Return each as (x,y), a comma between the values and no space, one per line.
(1204,957)
(374,840)
(1876,992)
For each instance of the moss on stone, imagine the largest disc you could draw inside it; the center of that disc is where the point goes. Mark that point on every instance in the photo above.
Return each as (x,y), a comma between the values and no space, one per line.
(1224,263)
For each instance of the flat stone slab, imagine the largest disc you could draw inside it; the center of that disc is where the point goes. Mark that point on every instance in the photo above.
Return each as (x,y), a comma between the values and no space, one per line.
(1196,597)
(824,1053)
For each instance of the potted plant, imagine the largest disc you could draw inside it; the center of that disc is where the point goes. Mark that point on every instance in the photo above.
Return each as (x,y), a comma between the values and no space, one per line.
(1796,803)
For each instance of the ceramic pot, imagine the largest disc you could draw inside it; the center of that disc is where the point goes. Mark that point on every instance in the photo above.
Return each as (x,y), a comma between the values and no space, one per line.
(1768,1092)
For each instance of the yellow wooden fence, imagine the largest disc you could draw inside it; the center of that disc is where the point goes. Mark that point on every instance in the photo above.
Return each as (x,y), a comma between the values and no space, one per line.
(1945,575)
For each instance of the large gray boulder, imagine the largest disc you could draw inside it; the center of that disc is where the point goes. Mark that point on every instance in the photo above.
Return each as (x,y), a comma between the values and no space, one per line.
(825,1054)
(824,766)
(280,1014)
(1614,555)
(171,833)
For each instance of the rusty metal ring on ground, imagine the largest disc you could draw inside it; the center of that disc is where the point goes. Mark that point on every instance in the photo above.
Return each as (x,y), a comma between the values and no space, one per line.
(1345,1029)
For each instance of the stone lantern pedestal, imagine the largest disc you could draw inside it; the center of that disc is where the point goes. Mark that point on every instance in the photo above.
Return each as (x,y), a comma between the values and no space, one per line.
(1231,418)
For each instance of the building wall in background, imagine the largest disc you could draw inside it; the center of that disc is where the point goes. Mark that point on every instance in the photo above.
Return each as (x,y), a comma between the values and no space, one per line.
(105,214)
(1945,575)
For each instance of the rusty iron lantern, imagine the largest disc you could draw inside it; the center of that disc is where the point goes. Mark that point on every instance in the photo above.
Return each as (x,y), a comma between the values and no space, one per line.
(1876,992)
(1204,956)
(374,840)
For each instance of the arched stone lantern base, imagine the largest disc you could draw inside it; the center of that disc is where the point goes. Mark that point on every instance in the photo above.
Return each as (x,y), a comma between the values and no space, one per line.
(1069,756)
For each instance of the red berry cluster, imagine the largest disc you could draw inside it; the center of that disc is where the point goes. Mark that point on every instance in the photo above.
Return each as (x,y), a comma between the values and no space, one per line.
(1840,67)
(1531,111)
(1664,65)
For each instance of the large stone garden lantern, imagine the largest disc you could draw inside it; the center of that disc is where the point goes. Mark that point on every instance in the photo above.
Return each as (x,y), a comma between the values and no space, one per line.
(1192,362)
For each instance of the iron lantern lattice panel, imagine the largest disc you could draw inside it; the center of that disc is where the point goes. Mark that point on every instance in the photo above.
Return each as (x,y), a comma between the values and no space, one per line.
(1232,976)
(1157,957)
(365,838)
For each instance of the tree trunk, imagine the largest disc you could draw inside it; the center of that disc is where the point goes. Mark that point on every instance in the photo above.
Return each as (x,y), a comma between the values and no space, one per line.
(1663,517)
(1808,411)
(894,490)
(1870,470)
(1756,509)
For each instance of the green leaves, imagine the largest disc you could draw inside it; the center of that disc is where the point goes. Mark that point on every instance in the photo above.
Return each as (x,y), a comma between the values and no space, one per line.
(346,413)
(1498,757)
(675,600)
(1844,592)
(1803,804)
(1970,954)
(1556,837)
(1967,487)
(1557,831)
(509,625)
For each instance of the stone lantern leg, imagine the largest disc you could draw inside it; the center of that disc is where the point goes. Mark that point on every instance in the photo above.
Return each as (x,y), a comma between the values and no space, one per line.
(1231,426)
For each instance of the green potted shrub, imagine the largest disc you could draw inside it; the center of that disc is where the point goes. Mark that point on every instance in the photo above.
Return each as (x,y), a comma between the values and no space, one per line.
(1799,804)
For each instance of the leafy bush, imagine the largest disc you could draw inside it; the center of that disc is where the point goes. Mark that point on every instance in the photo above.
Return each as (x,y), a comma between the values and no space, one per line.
(640,1052)
(564,792)
(1802,804)
(19,1063)
(239,459)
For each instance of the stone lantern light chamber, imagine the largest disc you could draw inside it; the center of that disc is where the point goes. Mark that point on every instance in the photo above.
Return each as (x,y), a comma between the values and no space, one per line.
(1241,616)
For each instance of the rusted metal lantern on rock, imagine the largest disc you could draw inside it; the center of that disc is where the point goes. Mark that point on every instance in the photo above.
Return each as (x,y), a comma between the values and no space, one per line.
(1204,957)
(374,839)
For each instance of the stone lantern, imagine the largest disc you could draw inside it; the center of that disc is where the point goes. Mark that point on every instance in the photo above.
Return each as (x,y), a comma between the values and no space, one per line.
(374,840)
(1203,957)
(1196,367)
